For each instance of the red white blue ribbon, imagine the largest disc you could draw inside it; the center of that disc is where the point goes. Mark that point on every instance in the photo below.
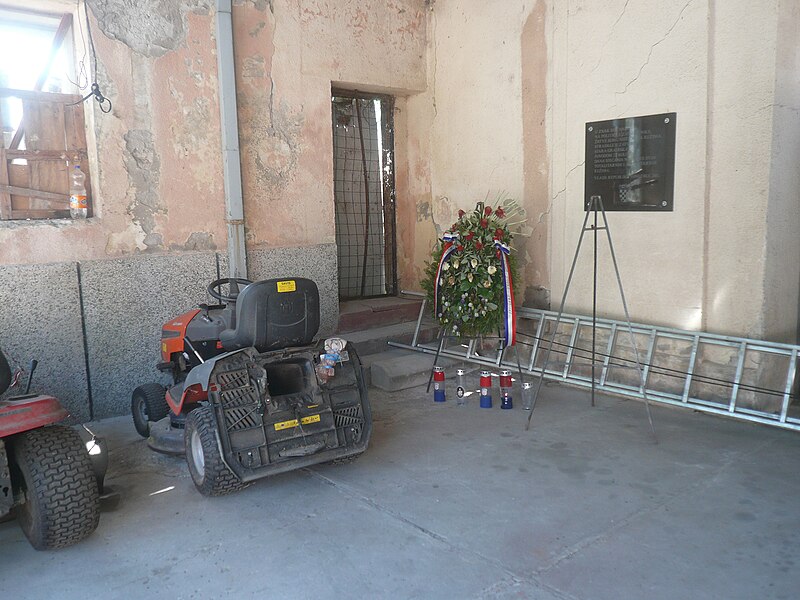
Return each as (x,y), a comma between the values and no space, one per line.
(509,310)
(450,246)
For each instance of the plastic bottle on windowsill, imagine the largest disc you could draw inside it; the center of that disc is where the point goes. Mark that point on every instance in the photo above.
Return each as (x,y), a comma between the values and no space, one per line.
(78,204)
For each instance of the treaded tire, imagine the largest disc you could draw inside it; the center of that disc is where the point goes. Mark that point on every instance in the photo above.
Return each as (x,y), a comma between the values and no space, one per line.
(211,476)
(148,404)
(62,504)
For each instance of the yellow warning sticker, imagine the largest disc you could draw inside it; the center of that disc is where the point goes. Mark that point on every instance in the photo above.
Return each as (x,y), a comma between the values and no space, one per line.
(285,425)
(287,286)
(293,423)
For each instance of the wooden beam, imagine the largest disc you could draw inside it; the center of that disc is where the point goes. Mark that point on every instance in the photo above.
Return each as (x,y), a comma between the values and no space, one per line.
(70,155)
(28,213)
(39,96)
(31,193)
(63,27)
(62,31)
(5,196)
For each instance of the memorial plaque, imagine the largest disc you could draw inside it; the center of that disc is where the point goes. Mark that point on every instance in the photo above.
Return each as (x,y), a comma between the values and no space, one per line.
(630,163)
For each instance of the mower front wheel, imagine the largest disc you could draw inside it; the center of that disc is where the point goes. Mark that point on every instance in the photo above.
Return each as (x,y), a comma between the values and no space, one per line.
(148,404)
(210,474)
(62,503)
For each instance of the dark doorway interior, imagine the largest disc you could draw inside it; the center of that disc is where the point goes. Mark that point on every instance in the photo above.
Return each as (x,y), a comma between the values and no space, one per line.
(363,173)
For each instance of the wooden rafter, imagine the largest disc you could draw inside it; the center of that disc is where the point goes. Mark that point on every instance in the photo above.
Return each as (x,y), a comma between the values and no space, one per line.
(63,28)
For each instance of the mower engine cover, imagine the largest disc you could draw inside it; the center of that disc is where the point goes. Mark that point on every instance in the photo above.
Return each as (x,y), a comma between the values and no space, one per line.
(275,414)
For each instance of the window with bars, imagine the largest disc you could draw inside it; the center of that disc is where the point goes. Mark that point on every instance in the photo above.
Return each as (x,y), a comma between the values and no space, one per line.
(41,115)
(363,156)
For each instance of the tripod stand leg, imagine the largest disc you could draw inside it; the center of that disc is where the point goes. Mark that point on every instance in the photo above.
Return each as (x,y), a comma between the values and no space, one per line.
(642,382)
(594,296)
(555,328)
(519,366)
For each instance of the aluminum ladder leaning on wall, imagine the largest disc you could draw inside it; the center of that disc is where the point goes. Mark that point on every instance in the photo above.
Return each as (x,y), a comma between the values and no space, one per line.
(746,379)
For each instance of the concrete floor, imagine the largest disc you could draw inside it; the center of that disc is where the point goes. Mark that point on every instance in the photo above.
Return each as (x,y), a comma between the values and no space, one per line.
(452,502)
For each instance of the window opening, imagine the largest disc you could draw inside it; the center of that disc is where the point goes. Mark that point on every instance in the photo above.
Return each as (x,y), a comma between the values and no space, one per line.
(41,117)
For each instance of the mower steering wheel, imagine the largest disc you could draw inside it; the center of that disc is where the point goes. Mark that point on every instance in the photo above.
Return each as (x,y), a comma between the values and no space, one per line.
(215,288)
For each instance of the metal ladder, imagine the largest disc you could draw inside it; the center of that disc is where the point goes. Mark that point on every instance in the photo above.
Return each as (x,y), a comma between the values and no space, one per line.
(742,378)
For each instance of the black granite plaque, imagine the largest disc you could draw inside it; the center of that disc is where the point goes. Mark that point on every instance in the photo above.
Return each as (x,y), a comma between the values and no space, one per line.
(630,163)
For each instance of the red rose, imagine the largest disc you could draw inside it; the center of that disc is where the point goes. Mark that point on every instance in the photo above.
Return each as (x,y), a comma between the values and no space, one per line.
(470,235)
(459,247)
(484,223)
(461,213)
(498,233)
(500,213)
(487,211)
(478,246)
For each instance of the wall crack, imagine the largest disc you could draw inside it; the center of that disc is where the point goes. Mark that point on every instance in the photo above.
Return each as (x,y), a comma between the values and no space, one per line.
(610,35)
(650,53)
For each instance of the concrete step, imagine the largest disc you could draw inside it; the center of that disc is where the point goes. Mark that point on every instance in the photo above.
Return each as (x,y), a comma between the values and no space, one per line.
(357,315)
(399,369)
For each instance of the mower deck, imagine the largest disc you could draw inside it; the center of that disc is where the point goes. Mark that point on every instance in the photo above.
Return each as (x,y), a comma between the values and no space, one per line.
(165,438)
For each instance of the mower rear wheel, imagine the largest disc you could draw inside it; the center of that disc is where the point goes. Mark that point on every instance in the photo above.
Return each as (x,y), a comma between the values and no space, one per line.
(62,503)
(210,474)
(148,404)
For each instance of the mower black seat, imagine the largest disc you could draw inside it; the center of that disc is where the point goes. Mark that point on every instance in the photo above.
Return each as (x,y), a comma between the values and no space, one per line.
(274,314)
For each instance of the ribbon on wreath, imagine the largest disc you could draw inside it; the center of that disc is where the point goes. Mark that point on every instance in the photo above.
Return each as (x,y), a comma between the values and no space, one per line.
(450,246)
(509,310)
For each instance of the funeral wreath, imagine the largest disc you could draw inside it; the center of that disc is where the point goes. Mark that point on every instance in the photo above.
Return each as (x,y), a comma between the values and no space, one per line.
(469,279)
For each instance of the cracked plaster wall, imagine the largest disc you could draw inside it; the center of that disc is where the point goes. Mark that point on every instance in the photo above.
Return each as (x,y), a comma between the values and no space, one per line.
(502,118)
(708,264)
(156,170)
(155,159)
(288,54)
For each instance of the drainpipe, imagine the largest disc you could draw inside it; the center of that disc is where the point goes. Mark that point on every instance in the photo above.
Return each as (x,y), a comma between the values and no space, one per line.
(232,174)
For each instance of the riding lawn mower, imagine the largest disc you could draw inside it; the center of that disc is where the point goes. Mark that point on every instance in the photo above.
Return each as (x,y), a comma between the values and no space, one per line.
(252,393)
(51,476)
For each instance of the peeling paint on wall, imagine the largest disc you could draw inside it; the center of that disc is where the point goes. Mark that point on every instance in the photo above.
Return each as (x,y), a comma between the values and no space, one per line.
(149,27)
(260,5)
(144,170)
(275,167)
(198,240)
(443,213)
(423,211)
(534,64)
(254,66)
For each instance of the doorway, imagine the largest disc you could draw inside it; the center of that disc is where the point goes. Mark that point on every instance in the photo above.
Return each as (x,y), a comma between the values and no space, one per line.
(364,195)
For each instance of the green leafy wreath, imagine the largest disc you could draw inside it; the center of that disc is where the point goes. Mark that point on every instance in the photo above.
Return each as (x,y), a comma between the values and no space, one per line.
(470,299)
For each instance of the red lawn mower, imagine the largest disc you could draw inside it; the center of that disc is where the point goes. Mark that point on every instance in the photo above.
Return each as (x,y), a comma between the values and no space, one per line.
(252,394)
(51,479)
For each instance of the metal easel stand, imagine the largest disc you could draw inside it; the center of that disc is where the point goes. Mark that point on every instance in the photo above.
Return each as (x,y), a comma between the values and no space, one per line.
(444,335)
(594,207)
